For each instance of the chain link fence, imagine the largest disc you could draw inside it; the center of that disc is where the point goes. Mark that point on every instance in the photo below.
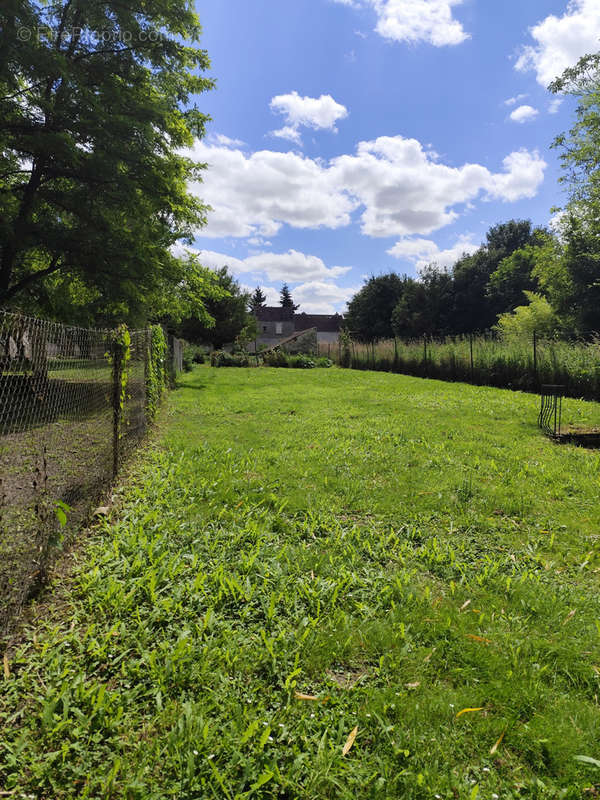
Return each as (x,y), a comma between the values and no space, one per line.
(71,411)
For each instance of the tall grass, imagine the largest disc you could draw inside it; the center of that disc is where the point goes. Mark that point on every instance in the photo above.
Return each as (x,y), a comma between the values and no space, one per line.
(488,361)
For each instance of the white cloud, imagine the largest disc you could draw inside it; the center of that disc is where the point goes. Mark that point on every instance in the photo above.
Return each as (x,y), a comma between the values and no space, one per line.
(321,297)
(312,112)
(288,132)
(225,141)
(423,252)
(400,188)
(255,194)
(523,174)
(524,114)
(313,283)
(318,113)
(291,267)
(561,41)
(555,105)
(405,190)
(272,294)
(512,101)
(416,20)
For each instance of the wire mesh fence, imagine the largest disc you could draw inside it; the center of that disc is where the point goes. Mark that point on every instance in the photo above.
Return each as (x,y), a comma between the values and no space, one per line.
(523,363)
(70,413)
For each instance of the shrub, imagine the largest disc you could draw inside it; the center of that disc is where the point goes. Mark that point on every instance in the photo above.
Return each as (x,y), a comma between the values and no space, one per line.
(301,362)
(220,358)
(276,358)
(192,354)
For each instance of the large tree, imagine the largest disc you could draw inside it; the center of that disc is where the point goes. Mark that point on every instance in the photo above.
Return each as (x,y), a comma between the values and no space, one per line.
(228,312)
(476,305)
(96,106)
(426,305)
(369,316)
(580,156)
(516,274)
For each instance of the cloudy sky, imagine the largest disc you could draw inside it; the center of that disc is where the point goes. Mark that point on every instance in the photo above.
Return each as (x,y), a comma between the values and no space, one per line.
(354,137)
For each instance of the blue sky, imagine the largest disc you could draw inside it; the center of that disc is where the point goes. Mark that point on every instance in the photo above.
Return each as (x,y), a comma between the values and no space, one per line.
(354,137)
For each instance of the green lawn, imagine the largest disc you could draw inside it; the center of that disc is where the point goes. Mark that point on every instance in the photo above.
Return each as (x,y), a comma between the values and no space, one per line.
(398,550)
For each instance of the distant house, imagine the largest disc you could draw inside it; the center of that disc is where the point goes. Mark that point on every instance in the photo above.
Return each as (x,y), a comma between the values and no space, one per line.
(328,326)
(276,323)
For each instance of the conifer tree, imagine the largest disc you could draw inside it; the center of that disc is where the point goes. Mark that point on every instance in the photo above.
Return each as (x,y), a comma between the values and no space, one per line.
(286,298)
(258,300)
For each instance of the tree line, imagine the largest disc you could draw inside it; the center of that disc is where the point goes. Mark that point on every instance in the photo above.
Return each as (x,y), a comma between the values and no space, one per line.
(522,278)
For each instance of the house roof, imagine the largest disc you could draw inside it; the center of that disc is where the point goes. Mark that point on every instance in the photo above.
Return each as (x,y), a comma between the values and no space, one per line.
(324,323)
(274,314)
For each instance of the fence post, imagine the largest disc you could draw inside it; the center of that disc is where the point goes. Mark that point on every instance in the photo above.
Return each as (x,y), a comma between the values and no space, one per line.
(117,379)
(535,359)
(425,348)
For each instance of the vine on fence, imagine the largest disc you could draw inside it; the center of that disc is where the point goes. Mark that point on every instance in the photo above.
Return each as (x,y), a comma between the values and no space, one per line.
(120,355)
(156,373)
(74,404)
(345,348)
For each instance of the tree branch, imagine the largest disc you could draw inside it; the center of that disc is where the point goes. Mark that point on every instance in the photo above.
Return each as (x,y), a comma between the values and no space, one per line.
(32,278)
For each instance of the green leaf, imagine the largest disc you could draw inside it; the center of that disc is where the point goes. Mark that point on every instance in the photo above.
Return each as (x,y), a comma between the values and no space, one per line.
(588,760)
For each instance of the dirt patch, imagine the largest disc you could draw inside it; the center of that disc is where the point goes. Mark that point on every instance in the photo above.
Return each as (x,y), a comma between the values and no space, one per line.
(347,678)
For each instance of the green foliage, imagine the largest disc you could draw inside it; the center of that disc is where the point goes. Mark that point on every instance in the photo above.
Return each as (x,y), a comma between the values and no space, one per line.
(193,293)
(477,299)
(279,358)
(258,300)
(249,333)
(97,107)
(228,314)
(345,348)
(156,371)
(399,549)
(193,354)
(221,358)
(516,274)
(538,317)
(286,298)
(369,316)
(119,358)
(425,306)
(580,156)
(324,363)
(275,358)
(496,362)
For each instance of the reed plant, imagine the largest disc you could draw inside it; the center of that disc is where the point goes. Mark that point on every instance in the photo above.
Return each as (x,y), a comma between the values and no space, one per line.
(516,363)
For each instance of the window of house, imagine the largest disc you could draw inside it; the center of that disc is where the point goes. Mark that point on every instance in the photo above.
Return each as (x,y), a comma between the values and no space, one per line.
(278,328)
(264,328)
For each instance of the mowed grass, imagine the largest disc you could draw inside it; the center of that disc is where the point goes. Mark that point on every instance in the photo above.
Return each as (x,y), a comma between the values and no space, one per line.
(312,559)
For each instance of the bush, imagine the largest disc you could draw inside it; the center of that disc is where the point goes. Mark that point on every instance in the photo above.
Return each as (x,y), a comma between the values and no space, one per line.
(220,358)
(279,358)
(192,354)
(276,358)
(301,362)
